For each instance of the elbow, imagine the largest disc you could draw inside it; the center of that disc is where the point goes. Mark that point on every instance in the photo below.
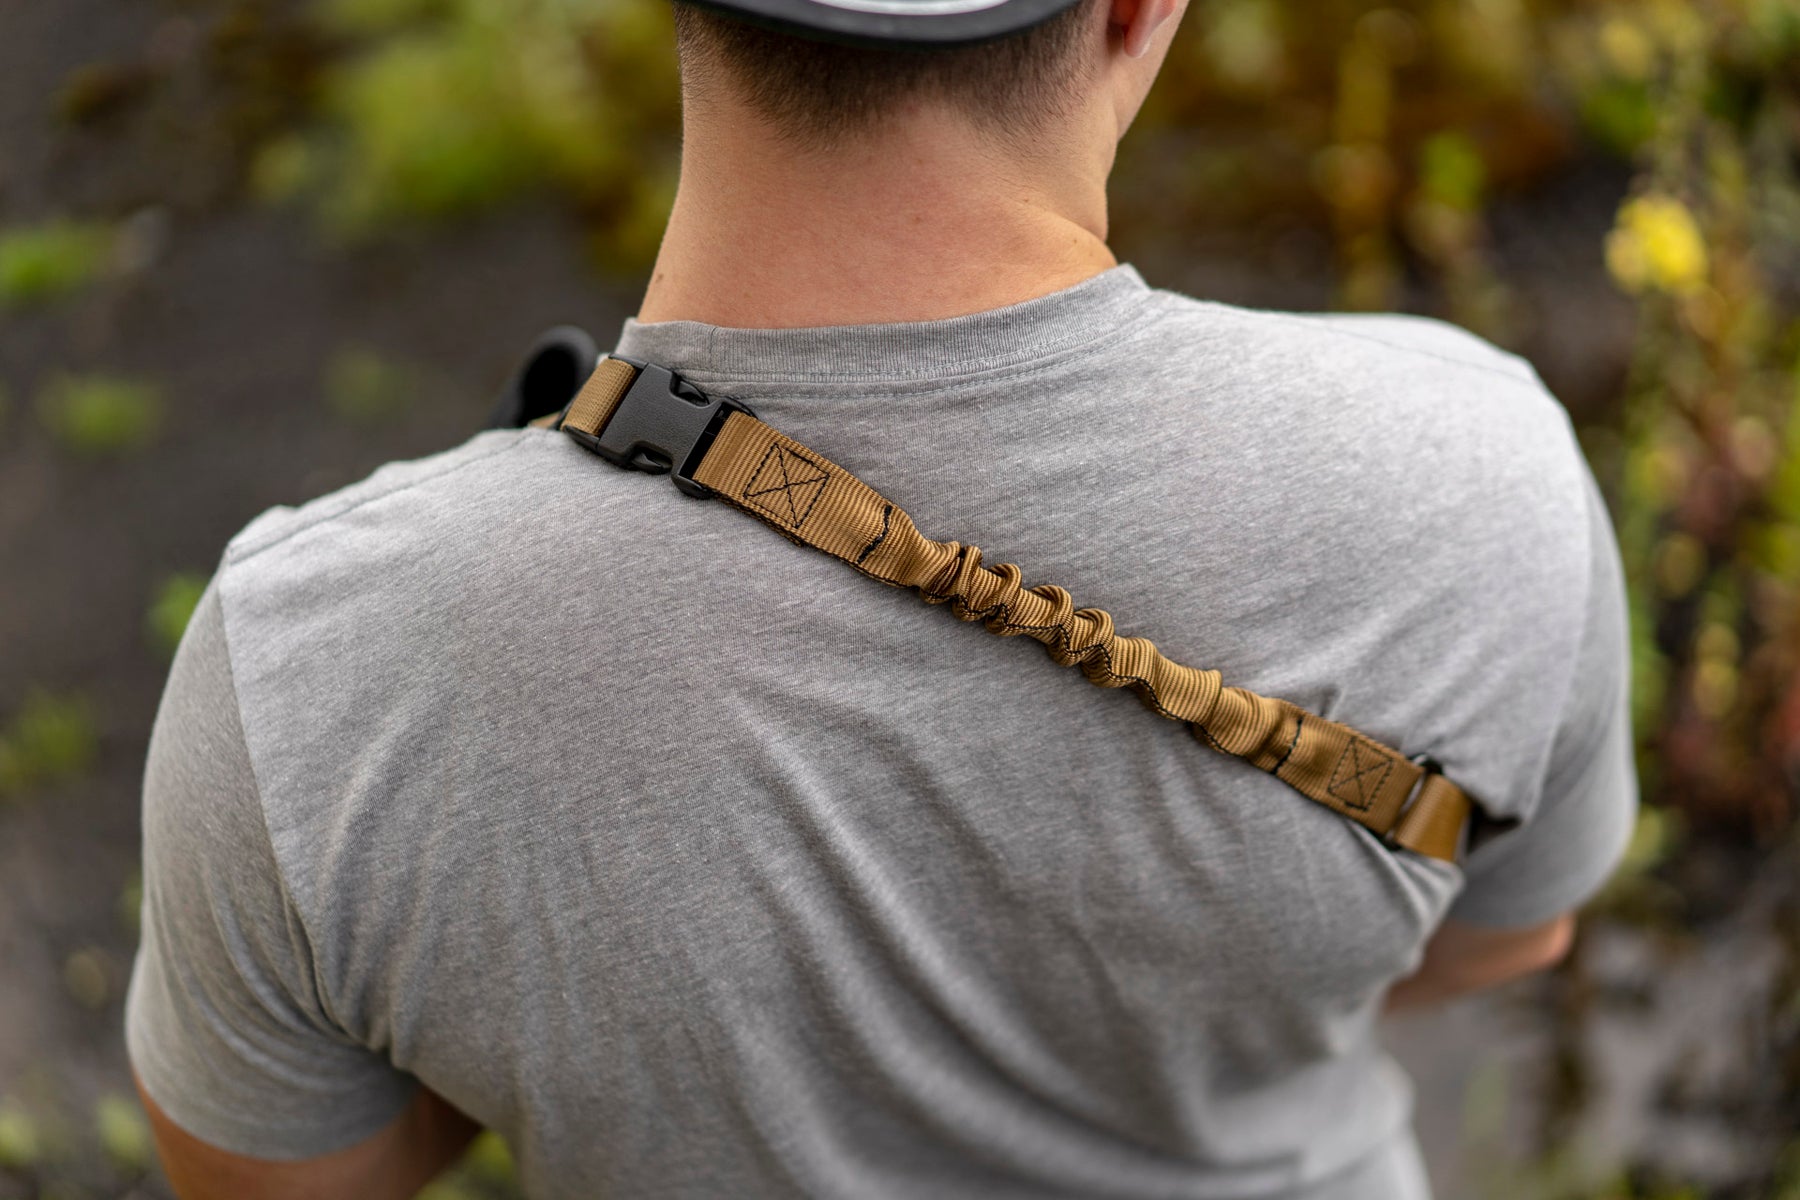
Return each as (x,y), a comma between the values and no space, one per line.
(1557,940)
(1536,950)
(1517,954)
(1465,958)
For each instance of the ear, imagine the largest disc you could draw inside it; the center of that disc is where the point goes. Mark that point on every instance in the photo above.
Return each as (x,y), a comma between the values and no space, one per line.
(1135,22)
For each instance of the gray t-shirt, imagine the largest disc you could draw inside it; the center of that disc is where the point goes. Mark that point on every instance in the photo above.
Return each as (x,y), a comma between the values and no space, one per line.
(698,865)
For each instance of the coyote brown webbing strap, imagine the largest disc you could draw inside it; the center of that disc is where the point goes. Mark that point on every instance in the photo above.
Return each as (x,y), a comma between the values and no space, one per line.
(719,448)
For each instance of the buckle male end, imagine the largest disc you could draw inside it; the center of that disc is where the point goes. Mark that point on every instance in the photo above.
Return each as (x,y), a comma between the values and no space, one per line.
(663,425)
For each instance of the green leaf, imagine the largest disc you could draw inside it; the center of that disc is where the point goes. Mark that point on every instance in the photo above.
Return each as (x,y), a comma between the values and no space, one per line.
(1655,836)
(1452,171)
(1621,114)
(87,978)
(171,608)
(50,738)
(21,1139)
(100,415)
(40,263)
(123,1132)
(131,902)
(489,1159)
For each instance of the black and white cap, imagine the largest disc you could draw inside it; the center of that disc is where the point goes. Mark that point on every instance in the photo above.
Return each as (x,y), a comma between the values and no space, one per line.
(896,22)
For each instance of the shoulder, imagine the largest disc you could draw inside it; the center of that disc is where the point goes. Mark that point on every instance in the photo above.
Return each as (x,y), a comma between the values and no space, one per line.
(445,475)
(1390,344)
(1406,425)
(1389,398)
(405,548)
(416,539)
(198,781)
(1399,489)
(226,1025)
(394,596)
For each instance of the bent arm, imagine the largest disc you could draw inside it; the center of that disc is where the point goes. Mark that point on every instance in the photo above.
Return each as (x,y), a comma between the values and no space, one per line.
(1516,914)
(393,1164)
(253,1087)
(1462,958)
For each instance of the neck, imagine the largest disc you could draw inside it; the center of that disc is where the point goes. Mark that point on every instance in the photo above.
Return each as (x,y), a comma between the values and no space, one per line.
(922,219)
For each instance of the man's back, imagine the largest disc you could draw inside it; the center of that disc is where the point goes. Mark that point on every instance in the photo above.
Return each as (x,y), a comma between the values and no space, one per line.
(699,865)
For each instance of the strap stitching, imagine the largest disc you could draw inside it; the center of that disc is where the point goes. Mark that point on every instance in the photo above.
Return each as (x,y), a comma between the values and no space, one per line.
(886,517)
(1365,798)
(1095,658)
(1299,720)
(796,518)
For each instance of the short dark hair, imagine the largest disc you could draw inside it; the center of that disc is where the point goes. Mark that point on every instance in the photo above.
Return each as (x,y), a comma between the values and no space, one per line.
(818,92)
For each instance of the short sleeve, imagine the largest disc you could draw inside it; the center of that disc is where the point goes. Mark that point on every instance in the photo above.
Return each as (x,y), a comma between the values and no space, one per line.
(1568,846)
(224,1020)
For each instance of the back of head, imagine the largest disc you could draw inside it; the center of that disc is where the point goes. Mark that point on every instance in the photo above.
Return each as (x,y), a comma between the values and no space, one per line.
(818,93)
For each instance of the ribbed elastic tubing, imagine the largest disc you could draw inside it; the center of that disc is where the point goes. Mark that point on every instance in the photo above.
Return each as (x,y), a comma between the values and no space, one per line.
(811,500)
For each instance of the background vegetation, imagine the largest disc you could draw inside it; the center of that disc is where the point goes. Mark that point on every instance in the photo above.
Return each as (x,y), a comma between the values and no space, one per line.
(251,248)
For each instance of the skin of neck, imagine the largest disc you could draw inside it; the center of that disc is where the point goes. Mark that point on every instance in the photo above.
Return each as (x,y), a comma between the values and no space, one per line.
(927,214)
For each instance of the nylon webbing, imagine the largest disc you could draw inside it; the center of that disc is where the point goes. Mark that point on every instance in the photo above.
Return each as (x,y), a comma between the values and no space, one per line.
(813,501)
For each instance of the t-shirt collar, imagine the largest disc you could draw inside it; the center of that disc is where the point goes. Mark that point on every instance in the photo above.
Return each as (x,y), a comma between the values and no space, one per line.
(1060,321)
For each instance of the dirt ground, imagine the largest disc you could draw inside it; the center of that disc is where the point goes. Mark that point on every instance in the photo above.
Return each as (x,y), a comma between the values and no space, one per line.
(235,311)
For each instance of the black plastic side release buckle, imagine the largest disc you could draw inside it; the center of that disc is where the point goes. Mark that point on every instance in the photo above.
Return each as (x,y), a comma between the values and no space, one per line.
(664,425)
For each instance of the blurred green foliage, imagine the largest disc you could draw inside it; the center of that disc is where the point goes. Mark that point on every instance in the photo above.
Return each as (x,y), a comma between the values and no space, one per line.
(98,90)
(48,739)
(363,386)
(123,1133)
(440,108)
(1708,469)
(87,979)
(63,1148)
(40,263)
(486,1172)
(171,608)
(21,1142)
(100,415)
(489,1159)
(1390,136)
(131,903)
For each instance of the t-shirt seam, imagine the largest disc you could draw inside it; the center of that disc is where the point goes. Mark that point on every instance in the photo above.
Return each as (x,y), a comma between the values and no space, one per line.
(1590,496)
(292,905)
(235,555)
(1001,367)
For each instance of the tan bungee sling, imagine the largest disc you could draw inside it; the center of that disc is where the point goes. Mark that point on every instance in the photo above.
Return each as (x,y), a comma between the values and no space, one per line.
(646,417)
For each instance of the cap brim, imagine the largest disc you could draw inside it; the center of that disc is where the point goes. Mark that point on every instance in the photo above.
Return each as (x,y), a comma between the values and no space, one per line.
(895,22)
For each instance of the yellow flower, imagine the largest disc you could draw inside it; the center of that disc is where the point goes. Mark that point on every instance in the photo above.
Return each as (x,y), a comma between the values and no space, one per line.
(1628,48)
(1656,245)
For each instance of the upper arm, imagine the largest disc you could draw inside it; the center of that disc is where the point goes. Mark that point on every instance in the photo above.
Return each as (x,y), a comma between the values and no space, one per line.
(1574,838)
(228,1027)
(1462,958)
(391,1164)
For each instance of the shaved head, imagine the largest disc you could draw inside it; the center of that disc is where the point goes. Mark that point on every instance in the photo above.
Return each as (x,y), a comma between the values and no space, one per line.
(818,94)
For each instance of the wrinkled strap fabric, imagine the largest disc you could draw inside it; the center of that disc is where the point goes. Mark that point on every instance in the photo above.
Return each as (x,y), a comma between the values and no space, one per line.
(811,500)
